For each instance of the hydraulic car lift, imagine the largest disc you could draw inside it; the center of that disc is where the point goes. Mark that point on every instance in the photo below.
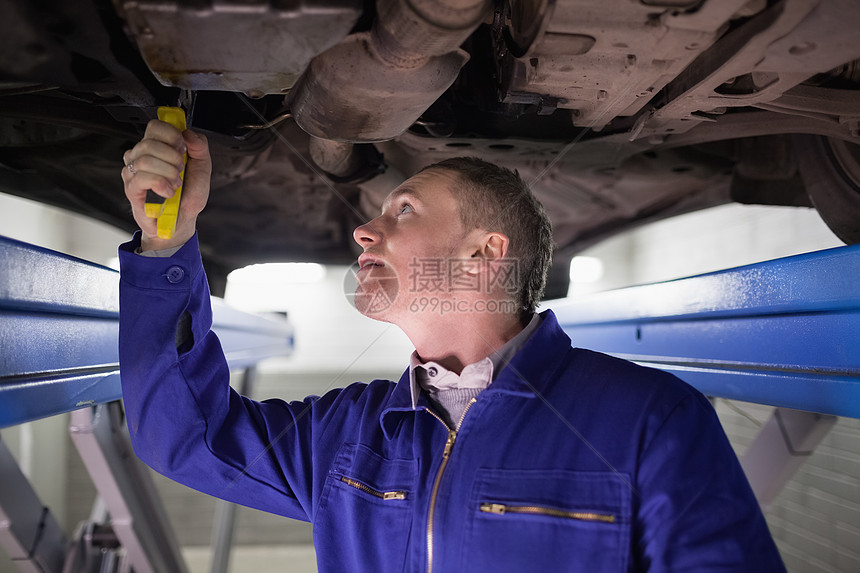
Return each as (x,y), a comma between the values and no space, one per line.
(784,333)
(59,321)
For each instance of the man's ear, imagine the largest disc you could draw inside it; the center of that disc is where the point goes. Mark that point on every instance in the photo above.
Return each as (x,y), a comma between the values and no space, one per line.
(492,247)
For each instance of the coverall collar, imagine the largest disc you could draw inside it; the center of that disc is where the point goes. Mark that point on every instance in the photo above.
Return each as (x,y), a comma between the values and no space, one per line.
(526,374)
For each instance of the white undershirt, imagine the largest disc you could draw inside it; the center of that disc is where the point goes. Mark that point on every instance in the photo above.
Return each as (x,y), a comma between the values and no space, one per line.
(451,392)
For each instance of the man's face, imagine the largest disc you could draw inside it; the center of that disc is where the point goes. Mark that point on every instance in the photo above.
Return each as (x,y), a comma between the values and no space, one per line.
(410,244)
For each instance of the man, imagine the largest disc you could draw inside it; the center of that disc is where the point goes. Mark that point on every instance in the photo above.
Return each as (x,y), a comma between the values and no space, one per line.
(501,448)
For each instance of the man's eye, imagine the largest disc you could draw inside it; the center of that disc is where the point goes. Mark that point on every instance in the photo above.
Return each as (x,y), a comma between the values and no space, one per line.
(406,208)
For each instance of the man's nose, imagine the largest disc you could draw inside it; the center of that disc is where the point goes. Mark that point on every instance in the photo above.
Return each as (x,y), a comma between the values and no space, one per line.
(367,234)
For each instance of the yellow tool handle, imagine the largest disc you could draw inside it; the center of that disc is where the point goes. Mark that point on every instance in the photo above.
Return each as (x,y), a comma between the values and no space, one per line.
(166,210)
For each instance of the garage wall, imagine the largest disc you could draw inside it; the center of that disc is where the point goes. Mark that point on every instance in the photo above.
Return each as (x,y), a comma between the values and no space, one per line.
(816,519)
(718,238)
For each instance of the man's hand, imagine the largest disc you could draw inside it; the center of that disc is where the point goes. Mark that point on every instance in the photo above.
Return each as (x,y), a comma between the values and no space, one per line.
(156,162)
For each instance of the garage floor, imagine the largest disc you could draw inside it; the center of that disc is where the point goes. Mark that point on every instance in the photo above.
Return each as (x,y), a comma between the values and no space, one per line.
(256,559)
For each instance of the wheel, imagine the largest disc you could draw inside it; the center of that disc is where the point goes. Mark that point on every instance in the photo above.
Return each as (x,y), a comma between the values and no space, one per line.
(830,169)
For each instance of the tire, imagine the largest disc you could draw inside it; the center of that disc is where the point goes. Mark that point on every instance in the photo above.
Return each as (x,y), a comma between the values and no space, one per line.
(830,169)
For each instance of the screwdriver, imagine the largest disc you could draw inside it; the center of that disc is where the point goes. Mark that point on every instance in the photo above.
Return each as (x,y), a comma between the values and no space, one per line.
(156,206)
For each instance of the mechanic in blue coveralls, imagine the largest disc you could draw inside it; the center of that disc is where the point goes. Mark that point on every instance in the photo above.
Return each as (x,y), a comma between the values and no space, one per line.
(502,447)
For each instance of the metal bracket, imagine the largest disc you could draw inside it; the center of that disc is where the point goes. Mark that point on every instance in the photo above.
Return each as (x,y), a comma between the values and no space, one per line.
(29,533)
(137,515)
(780,448)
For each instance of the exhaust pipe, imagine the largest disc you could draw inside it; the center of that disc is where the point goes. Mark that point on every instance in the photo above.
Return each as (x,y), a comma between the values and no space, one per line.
(373,85)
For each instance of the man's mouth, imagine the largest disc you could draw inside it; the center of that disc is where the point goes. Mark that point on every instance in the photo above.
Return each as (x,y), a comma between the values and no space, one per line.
(366,262)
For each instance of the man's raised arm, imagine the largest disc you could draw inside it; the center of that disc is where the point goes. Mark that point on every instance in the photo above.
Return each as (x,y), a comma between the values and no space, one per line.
(184,420)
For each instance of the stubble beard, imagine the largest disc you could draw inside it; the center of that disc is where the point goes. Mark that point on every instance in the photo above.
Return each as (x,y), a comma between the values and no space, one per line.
(376,295)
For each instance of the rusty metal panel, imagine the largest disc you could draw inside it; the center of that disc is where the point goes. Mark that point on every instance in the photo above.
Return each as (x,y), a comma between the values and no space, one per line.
(253,46)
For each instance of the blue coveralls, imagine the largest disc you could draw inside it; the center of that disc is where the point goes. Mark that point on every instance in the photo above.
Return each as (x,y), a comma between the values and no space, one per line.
(570,461)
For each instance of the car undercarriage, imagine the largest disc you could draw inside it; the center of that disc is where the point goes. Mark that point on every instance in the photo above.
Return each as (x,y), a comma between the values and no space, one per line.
(618,112)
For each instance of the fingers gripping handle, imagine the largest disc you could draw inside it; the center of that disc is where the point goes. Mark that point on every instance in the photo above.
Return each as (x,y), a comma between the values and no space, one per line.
(167,210)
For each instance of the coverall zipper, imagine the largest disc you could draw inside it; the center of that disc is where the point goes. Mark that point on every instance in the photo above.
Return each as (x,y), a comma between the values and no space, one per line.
(446,454)
(502,509)
(374,492)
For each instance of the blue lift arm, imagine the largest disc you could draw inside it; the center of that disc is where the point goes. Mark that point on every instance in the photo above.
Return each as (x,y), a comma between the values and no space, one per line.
(784,332)
(59,322)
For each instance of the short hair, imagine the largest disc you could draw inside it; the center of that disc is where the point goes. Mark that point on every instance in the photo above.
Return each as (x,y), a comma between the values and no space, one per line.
(497,199)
